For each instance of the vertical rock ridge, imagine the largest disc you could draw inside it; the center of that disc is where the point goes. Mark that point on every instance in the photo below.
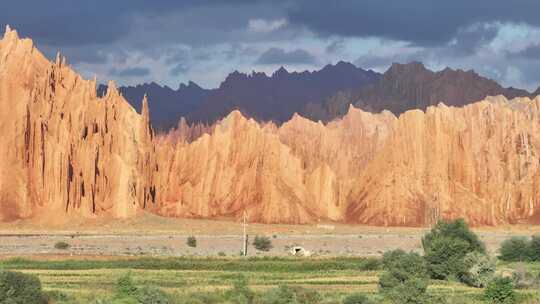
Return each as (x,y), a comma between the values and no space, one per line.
(68,153)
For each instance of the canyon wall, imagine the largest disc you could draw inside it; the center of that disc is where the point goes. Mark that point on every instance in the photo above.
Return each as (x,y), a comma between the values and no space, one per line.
(68,153)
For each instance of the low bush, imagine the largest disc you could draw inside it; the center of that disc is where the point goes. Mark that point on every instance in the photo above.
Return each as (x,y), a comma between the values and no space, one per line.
(240,293)
(151,295)
(356,298)
(524,279)
(289,294)
(500,291)
(480,269)
(191,241)
(262,243)
(404,278)
(57,296)
(20,288)
(61,245)
(125,286)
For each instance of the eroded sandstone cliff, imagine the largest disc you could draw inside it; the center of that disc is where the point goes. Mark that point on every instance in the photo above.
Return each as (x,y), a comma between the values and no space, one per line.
(68,153)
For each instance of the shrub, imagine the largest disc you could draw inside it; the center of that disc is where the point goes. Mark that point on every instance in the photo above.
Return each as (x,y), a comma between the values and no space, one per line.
(262,243)
(500,291)
(288,294)
(534,248)
(221,254)
(151,295)
(191,241)
(61,245)
(480,269)
(524,279)
(20,288)
(445,247)
(356,298)
(56,296)
(515,249)
(404,278)
(125,286)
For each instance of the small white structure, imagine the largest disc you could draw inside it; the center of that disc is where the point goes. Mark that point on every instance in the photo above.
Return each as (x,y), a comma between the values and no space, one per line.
(300,251)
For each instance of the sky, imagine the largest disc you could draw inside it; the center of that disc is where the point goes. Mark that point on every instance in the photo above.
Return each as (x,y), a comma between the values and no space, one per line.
(174,41)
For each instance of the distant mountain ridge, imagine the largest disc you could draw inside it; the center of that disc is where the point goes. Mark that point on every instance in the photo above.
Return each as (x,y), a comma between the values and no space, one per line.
(279,96)
(319,95)
(410,86)
(276,97)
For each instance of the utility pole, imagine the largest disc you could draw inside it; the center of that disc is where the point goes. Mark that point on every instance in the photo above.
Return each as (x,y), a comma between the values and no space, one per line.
(244,251)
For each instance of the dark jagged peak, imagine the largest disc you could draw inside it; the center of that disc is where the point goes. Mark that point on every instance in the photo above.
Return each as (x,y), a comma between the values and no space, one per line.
(413,86)
(340,66)
(281,72)
(234,77)
(189,86)
(277,97)
(414,68)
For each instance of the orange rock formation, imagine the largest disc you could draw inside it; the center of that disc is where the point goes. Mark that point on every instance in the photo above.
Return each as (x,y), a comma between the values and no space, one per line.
(66,152)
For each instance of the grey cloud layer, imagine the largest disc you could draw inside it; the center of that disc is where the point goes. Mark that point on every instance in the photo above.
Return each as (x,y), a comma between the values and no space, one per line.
(184,34)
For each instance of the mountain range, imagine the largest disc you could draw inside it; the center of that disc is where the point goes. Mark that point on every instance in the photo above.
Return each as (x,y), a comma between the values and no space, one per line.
(70,153)
(319,95)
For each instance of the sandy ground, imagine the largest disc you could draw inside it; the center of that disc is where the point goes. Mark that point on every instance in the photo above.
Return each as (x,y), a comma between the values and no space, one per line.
(154,235)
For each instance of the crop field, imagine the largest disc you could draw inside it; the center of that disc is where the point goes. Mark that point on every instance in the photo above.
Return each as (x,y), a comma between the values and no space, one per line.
(85,279)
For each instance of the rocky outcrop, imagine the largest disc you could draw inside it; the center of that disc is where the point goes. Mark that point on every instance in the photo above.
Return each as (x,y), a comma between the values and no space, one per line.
(168,105)
(479,162)
(66,152)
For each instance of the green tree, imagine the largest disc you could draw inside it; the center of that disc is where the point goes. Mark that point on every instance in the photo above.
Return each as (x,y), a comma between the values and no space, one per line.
(20,288)
(500,291)
(404,278)
(534,248)
(445,247)
(515,249)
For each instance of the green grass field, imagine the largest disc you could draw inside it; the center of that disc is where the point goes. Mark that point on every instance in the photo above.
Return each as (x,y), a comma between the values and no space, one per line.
(84,280)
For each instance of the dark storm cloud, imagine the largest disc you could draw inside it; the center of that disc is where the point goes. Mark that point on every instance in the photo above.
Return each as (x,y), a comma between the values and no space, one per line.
(422,22)
(130,72)
(103,33)
(67,22)
(280,56)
